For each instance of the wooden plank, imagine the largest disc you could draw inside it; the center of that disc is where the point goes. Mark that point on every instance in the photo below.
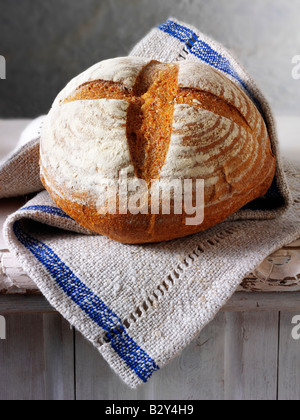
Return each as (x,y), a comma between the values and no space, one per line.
(59,358)
(95,380)
(289,359)
(280,272)
(36,359)
(239,302)
(13,279)
(251,355)
(263,302)
(22,359)
(198,373)
(14,304)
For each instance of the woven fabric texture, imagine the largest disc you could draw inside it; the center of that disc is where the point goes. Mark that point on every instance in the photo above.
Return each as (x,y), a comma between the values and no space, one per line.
(20,174)
(140,305)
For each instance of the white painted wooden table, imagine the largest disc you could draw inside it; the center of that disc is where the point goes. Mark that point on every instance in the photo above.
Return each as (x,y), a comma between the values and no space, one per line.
(247,352)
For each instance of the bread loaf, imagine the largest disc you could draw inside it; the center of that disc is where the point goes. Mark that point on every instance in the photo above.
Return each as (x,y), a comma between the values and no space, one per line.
(153,122)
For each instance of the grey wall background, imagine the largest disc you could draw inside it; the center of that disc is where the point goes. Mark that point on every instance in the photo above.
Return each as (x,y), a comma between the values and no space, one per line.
(46,43)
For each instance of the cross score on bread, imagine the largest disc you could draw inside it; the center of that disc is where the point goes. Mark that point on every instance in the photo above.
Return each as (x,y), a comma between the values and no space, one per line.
(160,121)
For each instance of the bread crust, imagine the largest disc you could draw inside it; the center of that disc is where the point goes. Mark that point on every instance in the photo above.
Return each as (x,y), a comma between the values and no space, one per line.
(157,121)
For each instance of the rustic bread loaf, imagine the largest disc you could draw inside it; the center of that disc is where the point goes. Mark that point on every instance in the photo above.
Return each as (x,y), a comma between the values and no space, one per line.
(153,121)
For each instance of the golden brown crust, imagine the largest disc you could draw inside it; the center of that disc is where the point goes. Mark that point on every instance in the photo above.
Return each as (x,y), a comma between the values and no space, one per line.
(137,229)
(149,130)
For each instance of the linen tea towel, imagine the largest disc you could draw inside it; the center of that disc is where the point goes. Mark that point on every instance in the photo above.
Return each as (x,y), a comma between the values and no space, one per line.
(19,173)
(141,305)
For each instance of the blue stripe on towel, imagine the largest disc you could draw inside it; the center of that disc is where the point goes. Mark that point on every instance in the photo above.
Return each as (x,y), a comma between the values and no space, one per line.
(48,209)
(202,50)
(177,31)
(134,356)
